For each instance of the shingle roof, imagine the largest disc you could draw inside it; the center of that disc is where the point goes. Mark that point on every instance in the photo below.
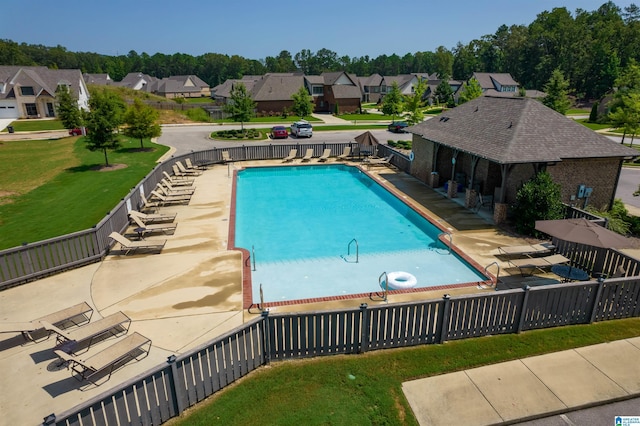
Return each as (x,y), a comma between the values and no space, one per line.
(487,79)
(276,87)
(42,79)
(516,130)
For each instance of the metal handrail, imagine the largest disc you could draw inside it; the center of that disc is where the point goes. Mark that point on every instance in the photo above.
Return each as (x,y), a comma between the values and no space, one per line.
(491,264)
(386,284)
(253,258)
(357,249)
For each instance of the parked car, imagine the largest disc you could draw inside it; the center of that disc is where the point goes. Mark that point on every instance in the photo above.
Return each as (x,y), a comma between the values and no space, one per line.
(301,128)
(76,132)
(398,126)
(279,132)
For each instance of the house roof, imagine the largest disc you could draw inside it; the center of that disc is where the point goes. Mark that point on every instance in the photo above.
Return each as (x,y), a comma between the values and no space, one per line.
(223,90)
(314,79)
(100,79)
(42,79)
(488,80)
(276,87)
(372,80)
(516,130)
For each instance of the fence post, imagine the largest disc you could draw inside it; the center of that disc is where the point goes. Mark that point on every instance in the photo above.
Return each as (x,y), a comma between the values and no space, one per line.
(364,322)
(178,393)
(446,308)
(523,308)
(266,335)
(596,300)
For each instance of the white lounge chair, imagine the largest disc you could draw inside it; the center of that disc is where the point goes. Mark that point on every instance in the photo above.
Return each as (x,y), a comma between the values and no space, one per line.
(184,170)
(128,246)
(153,218)
(82,338)
(291,156)
(526,249)
(345,154)
(325,155)
(143,228)
(307,156)
(135,346)
(175,190)
(226,158)
(34,330)
(378,161)
(178,180)
(530,264)
(171,199)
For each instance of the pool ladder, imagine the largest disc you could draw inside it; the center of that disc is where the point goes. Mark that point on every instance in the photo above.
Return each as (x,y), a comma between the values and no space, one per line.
(349,251)
(385,288)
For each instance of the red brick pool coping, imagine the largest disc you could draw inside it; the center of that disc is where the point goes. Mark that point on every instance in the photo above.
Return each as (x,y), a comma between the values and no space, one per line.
(247,291)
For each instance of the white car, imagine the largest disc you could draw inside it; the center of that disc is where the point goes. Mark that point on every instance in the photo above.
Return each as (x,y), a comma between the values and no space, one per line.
(301,128)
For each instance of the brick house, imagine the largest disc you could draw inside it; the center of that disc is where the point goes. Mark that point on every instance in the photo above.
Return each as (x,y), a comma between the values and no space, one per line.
(341,92)
(493,145)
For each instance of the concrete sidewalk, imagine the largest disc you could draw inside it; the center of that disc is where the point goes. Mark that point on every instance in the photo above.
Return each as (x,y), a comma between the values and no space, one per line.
(529,388)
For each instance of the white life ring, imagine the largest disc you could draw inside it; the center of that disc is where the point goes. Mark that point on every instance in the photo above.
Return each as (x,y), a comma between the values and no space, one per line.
(411,156)
(401,280)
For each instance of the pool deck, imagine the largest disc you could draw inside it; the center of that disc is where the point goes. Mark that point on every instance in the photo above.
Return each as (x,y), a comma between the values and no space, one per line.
(187,295)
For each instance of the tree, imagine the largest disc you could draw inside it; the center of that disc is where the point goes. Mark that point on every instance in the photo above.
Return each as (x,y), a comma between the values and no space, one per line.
(67,107)
(593,115)
(392,102)
(141,122)
(626,115)
(102,121)
(538,199)
(413,103)
(302,103)
(557,90)
(444,93)
(240,106)
(470,91)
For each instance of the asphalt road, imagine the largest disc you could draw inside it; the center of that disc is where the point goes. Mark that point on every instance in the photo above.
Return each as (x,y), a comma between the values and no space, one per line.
(196,137)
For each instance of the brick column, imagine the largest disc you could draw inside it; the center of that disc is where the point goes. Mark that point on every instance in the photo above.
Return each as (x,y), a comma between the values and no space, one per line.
(452,190)
(500,213)
(434,180)
(470,198)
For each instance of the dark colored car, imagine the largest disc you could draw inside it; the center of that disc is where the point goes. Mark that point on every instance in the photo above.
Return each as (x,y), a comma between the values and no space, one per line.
(279,132)
(398,126)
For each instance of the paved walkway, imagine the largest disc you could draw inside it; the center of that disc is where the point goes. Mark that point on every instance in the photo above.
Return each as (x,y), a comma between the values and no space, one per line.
(531,387)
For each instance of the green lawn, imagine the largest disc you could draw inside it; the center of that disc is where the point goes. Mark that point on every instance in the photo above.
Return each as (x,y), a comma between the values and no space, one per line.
(35,125)
(366,389)
(51,187)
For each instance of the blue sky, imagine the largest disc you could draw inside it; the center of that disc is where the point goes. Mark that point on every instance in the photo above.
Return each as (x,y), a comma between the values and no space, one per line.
(256,29)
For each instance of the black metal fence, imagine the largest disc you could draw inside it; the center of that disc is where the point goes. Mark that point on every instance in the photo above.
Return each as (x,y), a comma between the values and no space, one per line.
(171,388)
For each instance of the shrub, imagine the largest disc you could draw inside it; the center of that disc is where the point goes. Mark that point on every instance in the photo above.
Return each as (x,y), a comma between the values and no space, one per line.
(538,199)
(593,115)
(198,114)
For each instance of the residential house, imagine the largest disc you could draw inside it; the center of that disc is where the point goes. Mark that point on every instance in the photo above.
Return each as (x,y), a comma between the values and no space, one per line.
(136,81)
(29,92)
(98,79)
(496,84)
(179,86)
(493,145)
(371,88)
(222,92)
(273,92)
(432,85)
(341,93)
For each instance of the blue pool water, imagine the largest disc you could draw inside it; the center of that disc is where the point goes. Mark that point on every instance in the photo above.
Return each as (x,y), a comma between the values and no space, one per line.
(300,220)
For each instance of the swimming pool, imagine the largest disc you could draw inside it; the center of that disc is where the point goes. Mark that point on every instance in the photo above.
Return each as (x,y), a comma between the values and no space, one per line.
(305,224)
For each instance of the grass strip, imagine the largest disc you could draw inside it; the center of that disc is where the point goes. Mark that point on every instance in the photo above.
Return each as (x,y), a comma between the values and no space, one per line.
(367,389)
(52,188)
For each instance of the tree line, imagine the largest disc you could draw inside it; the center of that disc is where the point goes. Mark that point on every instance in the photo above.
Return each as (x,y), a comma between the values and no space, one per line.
(590,48)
